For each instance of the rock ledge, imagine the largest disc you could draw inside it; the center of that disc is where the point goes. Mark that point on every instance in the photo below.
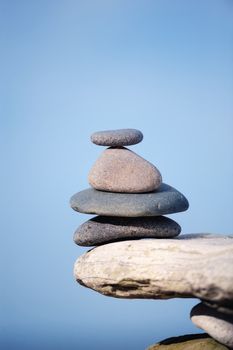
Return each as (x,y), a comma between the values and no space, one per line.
(192,265)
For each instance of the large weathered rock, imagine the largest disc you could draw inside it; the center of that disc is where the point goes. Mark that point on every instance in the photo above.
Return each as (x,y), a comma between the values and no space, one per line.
(189,342)
(192,265)
(121,170)
(218,325)
(165,200)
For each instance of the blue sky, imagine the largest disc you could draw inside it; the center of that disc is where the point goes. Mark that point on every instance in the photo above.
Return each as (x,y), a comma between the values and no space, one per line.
(69,68)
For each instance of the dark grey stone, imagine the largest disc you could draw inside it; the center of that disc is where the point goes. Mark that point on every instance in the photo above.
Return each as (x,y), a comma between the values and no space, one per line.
(106,229)
(117,138)
(164,200)
(226,309)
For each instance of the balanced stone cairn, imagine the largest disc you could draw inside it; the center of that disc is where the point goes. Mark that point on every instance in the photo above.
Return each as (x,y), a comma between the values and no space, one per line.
(139,253)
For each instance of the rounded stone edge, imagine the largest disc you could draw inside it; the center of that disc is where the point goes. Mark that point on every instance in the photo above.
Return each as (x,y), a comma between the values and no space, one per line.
(105,212)
(137,139)
(97,176)
(224,309)
(101,240)
(202,310)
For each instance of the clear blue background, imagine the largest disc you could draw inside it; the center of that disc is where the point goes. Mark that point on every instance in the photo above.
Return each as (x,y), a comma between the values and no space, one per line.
(69,68)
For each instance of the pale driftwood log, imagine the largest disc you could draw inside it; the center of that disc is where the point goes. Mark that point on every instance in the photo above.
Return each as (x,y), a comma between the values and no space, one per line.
(192,265)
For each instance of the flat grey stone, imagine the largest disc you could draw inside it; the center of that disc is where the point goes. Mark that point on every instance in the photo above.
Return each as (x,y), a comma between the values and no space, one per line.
(117,138)
(191,265)
(106,229)
(164,200)
(218,325)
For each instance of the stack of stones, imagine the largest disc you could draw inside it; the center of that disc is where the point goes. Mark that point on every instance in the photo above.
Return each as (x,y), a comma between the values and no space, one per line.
(127,193)
(140,253)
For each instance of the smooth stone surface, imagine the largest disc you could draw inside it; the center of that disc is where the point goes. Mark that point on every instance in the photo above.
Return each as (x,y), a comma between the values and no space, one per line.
(191,265)
(189,342)
(106,229)
(216,324)
(117,138)
(121,170)
(165,200)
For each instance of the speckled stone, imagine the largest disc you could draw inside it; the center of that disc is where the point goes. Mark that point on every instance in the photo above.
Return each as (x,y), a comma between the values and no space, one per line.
(121,170)
(165,200)
(105,229)
(189,342)
(218,325)
(117,138)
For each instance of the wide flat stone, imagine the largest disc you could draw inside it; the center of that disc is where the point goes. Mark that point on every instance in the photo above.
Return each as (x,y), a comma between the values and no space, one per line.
(117,138)
(189,342)
(121,170)
(165,200)
(191,265)
(218,325)
(106,229)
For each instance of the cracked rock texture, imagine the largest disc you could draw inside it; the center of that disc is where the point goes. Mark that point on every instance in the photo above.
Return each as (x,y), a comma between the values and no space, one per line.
(191,265)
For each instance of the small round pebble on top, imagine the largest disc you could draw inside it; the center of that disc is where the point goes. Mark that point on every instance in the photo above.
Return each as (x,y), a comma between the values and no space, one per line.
(117,138)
